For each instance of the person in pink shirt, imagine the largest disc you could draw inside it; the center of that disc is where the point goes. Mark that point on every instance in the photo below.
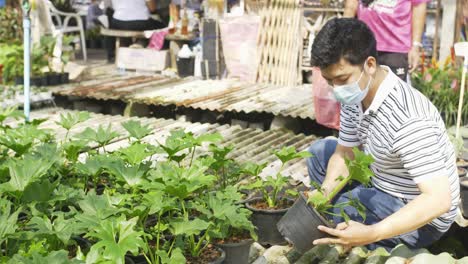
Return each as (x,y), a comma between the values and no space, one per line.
(397,25)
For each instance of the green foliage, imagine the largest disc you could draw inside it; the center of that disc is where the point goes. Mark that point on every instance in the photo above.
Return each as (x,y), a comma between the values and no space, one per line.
(271,186)
(441,85)
(69,120)
(102,136)
(116,237)
(137,152)
(24,172)
(227,170)
(131,174)
(11,26)
(136,129)
(8,220)
(49,196)
(358,171)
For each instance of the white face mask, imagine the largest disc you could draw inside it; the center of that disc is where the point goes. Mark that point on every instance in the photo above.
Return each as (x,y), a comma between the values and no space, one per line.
(351,93)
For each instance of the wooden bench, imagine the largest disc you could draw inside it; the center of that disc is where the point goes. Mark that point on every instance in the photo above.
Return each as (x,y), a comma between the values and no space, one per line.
(176,40)
(118,34)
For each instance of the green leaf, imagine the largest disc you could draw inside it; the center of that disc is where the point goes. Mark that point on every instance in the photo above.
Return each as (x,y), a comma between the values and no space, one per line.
(117,236)
(54,257)
(102,136)
(359,167)
(136,129)
(38,191)
(25,171)
(188,228)
(95,208)
(253,169)
(136,153)
(69,120)
(22,138)
(73,149)
(132,175)
(12,112)
(8,220)
(289,153)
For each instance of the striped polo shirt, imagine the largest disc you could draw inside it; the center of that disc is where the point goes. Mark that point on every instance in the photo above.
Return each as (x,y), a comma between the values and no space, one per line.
(405,134)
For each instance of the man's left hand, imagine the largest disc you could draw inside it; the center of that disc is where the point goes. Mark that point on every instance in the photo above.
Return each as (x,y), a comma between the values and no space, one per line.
(413,59)
(348,234)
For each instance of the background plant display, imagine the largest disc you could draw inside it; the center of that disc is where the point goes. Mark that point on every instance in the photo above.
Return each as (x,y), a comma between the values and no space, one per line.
(71,200)
(442,86)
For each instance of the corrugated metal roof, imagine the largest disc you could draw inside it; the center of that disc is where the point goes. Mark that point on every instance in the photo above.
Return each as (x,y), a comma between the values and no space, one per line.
(219,95)
(250,144)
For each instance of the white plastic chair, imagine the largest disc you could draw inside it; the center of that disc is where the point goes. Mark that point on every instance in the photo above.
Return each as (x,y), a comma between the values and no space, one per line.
(63,27)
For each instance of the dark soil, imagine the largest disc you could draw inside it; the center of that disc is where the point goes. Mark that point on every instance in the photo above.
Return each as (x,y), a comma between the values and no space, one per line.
(283,204)
(209,254)
(235,238)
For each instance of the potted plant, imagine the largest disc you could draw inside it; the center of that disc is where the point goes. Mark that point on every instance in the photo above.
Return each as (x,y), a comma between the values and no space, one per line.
(299,225)
(268,209)
(441,86)
(65,57)
(231,228)
(48,43)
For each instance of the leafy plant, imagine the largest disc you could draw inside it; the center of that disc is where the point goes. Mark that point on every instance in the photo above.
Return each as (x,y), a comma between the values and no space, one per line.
(102,136)
(358,171)
(226,169)
(440,84)
(66,50)
(271,186)
(116,236)
(136,129)
(69,120)
(25,171)
(227,217)
(8,222)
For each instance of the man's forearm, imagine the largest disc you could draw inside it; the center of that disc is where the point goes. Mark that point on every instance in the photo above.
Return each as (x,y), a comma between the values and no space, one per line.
(415,214)
(336,168)
(418,21)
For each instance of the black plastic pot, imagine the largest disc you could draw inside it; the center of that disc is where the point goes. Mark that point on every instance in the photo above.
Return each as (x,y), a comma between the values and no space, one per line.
(185,67)
(221,258)
(464,196)
(299,225)
(54,79)
(236,253)
(265,222)
(65,77)
(19,80)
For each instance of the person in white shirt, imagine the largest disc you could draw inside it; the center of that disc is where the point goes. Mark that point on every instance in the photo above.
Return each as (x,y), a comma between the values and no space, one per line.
(133,15)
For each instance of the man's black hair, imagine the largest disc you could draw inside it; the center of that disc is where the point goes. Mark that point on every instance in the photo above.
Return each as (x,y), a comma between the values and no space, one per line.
(346,38)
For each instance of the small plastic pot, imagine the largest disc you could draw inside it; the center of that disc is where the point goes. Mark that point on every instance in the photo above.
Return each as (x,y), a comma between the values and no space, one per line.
(464,196)
(237,253)
(265,221)
(220,259)
(185,66)
(53,78)
(65,77)
(299,225)
(19,80)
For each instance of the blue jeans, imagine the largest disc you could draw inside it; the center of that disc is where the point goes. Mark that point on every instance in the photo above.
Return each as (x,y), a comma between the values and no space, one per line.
(379,204)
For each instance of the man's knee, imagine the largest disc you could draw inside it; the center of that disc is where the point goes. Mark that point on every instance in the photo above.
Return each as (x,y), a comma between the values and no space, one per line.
(323,148)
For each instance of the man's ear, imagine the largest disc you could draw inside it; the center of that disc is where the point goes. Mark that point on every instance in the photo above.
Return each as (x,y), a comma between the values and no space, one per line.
(371,65)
